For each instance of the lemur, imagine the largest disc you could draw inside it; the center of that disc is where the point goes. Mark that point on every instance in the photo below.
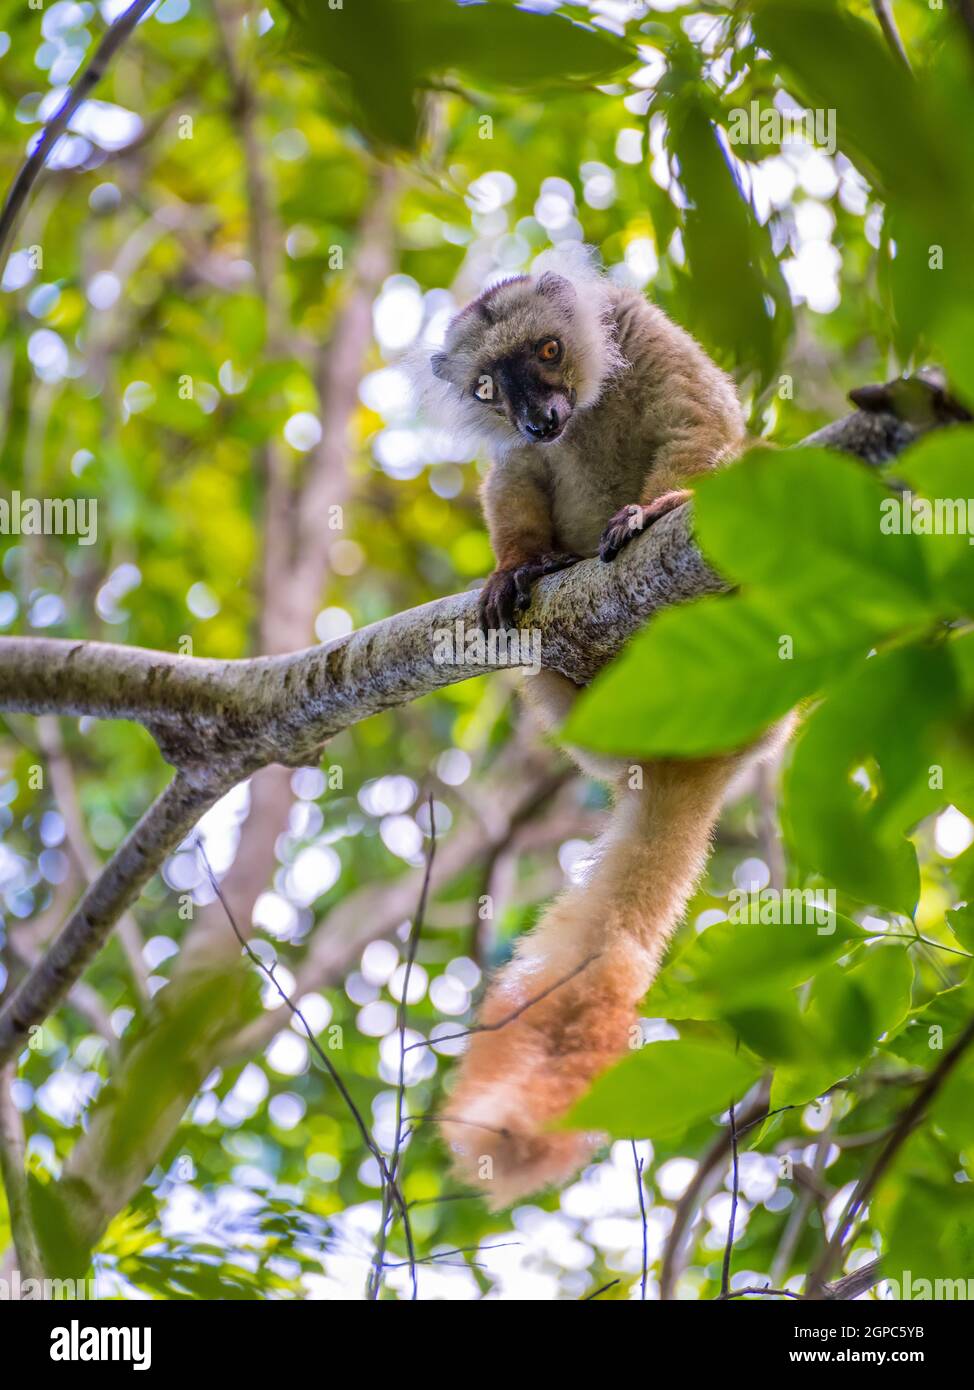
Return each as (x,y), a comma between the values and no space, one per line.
(597,410)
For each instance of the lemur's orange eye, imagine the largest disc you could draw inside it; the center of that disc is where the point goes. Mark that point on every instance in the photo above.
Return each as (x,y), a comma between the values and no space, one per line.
(550,350)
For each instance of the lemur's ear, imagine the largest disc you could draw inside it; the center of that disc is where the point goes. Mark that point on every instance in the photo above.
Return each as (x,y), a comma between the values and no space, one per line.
(557,288)
(438,362)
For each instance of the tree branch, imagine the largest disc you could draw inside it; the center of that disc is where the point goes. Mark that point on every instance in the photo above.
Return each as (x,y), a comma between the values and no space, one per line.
(14,1175)
(854,1285)
(30,171)
(247,713)
(244,714)
(87,861)
(883,10)
(867,1184)
(165,824)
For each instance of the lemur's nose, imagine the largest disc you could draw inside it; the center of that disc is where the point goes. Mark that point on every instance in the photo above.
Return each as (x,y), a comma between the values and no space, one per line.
(547,425)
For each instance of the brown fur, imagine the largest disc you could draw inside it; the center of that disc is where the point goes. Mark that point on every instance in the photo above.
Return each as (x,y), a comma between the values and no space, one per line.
(514,1080)
(651,410)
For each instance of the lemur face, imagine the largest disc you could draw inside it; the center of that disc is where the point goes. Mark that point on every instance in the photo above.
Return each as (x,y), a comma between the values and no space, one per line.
(528,388)
(518,356)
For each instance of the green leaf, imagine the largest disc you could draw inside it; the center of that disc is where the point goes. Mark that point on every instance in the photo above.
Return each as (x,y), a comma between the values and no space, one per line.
(382,73)
(775,1031)
(738,662)
(65,1253)
(849,1009)
(803,529)
(931,1237)
(839,63)
(928,1032)
(733,294)
(953,1107)
(167,1065)
(391,49)
(732,966)
(961,923)
(941,468)
(509,48)
(809,522)
(859,777)
(952,337)
(663,1088)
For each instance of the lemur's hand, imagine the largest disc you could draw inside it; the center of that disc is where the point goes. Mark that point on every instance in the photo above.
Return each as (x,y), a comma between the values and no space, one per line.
(632,520)
(507,592)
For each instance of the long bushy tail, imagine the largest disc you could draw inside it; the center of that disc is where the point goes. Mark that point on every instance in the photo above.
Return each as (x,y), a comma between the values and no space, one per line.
(565,1007)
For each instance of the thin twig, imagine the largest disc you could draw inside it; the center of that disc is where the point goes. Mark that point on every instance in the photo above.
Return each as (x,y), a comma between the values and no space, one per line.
(511,1017)
(604,1289)
(642,1213)
(30,170)
(766,1292)
(735,1191)
(917,939)
(902,1130)
(692,1197)
(319,1051)
(445,1254)
(411,948)
(883,11)
(447,1197)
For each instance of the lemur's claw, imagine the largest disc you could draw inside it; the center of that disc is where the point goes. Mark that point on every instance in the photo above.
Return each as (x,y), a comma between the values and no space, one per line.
(632,520)
(507,592)
(497,600)
(626,523)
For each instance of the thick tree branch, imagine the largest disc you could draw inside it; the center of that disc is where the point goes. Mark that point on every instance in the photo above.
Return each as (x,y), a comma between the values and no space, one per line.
(245,714)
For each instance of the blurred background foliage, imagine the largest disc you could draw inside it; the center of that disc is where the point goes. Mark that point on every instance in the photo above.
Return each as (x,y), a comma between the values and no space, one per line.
(202,316)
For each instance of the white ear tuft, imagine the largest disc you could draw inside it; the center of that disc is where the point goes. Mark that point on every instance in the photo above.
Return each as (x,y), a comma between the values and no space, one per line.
(573,260)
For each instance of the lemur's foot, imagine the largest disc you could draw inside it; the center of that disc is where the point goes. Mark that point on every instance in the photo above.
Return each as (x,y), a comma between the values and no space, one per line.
(507,592)
(630,521)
